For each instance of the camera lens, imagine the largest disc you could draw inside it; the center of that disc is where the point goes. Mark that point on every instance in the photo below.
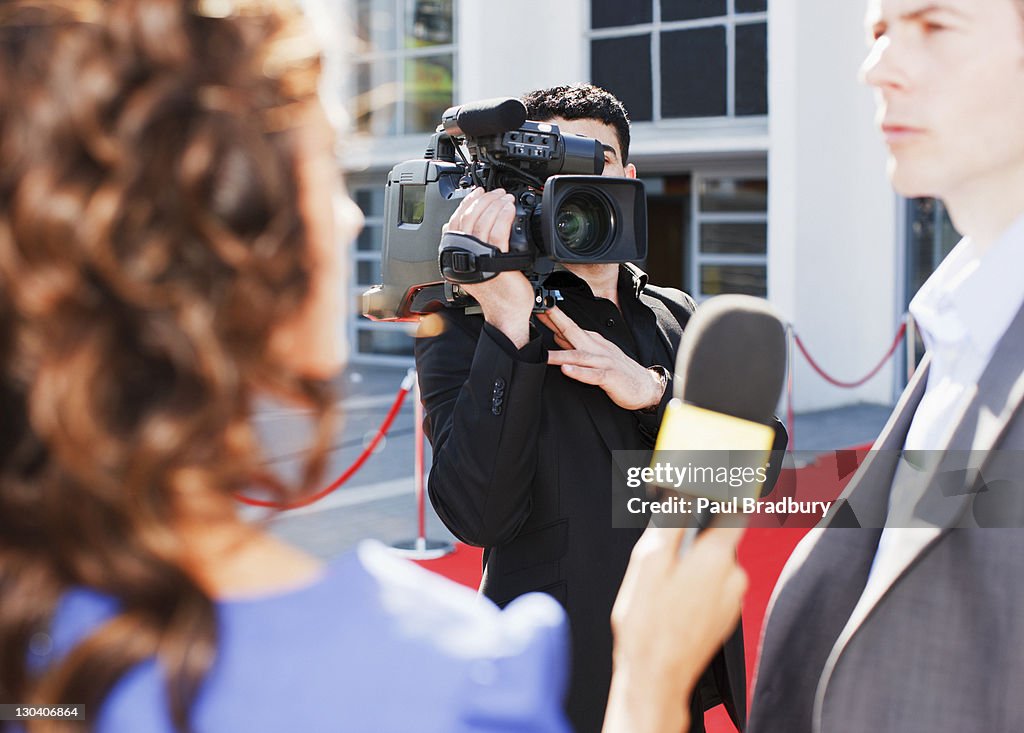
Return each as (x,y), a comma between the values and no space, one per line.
(583,222)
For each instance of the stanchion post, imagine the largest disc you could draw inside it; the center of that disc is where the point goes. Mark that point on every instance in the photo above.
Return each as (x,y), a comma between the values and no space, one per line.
(421,507)
(420,548)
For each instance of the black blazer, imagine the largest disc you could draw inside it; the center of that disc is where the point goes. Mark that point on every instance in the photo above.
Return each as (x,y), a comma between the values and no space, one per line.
(522,466)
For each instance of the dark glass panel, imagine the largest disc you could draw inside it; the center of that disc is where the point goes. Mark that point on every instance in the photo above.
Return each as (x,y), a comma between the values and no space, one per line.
(751,6)
(734,194)
(623,67)
(392,342)
(742,279)
(611,13)
(734,238)
(693,73)
(369,239)
(371,200)
(368,272)
(691,9)
(752,69)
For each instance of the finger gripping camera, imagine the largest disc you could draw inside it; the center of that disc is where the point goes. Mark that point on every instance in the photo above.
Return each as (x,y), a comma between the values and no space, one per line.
(565,210)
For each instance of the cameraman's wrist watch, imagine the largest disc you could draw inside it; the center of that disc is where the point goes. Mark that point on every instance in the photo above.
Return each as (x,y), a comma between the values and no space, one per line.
(665,376)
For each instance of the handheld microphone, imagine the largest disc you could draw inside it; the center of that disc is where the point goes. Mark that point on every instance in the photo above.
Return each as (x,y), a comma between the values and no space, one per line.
(728,379)
(486,117)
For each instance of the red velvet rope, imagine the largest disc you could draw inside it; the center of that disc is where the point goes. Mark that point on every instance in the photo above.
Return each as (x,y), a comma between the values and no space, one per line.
(850,385)
(790,416)
(350,471)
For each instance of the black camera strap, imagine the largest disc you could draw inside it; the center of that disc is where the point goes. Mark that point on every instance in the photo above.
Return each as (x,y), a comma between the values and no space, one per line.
(462,258)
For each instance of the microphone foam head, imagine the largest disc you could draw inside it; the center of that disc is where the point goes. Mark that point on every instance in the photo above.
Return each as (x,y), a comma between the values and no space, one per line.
(732,358)
(486,117)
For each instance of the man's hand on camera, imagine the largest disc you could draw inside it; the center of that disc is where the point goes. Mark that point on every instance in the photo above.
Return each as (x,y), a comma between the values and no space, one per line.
(506,300)
(592,359)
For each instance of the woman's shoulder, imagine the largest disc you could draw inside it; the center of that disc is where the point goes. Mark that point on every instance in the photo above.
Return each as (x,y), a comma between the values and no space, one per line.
(455,618)
(370,589)
(372,630)
(480,667)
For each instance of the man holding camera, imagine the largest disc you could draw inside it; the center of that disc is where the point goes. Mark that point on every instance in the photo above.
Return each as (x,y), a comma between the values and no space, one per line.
(523,412)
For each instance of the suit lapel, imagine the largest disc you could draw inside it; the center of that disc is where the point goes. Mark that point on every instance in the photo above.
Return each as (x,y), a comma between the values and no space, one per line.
(1000,392)
(984,419)
(952,479)
(865,501)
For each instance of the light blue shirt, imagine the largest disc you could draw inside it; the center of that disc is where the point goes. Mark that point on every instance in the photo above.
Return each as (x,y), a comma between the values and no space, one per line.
(376,645)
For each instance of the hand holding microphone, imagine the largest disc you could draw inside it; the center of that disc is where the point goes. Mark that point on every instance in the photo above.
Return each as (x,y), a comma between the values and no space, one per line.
(665,633)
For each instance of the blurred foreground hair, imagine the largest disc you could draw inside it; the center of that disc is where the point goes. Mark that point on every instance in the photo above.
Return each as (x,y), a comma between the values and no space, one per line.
(150,243)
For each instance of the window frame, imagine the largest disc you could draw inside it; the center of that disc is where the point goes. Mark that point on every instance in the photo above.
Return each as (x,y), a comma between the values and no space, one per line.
(398,56)
(695,257)
(654,29)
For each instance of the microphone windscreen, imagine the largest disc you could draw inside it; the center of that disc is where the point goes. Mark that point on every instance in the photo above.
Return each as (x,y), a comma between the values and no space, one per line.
(732,358)
(486,117)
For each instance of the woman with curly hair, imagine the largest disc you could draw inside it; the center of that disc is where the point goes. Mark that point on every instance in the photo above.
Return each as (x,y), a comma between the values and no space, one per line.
(169,207)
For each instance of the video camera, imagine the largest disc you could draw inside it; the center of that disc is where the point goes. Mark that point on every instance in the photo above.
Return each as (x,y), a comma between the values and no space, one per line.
(565,210)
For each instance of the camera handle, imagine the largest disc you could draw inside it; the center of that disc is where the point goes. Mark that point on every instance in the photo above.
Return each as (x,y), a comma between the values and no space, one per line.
(462,259)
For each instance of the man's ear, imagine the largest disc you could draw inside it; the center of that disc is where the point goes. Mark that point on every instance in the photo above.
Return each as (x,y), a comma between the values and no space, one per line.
(630,170)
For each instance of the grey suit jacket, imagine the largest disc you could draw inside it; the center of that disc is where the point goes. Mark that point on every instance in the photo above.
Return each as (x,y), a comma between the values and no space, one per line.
(938,645)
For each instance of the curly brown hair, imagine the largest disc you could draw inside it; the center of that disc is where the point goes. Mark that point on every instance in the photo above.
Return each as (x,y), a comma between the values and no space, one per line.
(150,242)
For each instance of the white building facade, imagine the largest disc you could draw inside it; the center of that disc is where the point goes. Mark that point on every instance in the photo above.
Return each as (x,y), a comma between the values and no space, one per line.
(755,139)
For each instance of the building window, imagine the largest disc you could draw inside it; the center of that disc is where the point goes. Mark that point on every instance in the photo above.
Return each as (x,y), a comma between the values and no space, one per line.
(729,235)
(674,59)
(708,230)
(383,341)
(403,68)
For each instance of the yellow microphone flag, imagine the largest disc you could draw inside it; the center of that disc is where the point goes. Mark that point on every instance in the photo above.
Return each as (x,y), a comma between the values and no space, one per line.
(713,439)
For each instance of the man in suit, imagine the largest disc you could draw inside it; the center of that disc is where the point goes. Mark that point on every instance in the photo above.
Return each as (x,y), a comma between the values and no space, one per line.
(523,414)
(904,611)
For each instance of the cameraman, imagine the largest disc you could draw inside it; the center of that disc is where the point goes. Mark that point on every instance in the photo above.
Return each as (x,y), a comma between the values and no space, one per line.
(523,414)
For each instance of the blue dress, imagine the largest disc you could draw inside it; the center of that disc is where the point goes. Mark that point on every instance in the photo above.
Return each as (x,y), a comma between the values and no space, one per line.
(376,645)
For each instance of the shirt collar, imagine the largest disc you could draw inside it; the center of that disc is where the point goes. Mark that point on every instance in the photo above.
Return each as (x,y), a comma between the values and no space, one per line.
(972,298)
(631,279)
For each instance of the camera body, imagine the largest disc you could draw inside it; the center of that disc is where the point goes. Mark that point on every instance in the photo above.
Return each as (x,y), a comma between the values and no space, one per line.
(565,210)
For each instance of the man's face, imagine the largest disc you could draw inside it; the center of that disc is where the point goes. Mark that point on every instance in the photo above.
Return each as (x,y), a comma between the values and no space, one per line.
(605,134)
(949,82)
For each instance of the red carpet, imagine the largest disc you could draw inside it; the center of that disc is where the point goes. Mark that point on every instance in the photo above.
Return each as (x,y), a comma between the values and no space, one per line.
(463,566)
(762,553)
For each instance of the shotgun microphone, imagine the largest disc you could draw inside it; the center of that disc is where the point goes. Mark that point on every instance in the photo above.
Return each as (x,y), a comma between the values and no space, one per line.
(486,117)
